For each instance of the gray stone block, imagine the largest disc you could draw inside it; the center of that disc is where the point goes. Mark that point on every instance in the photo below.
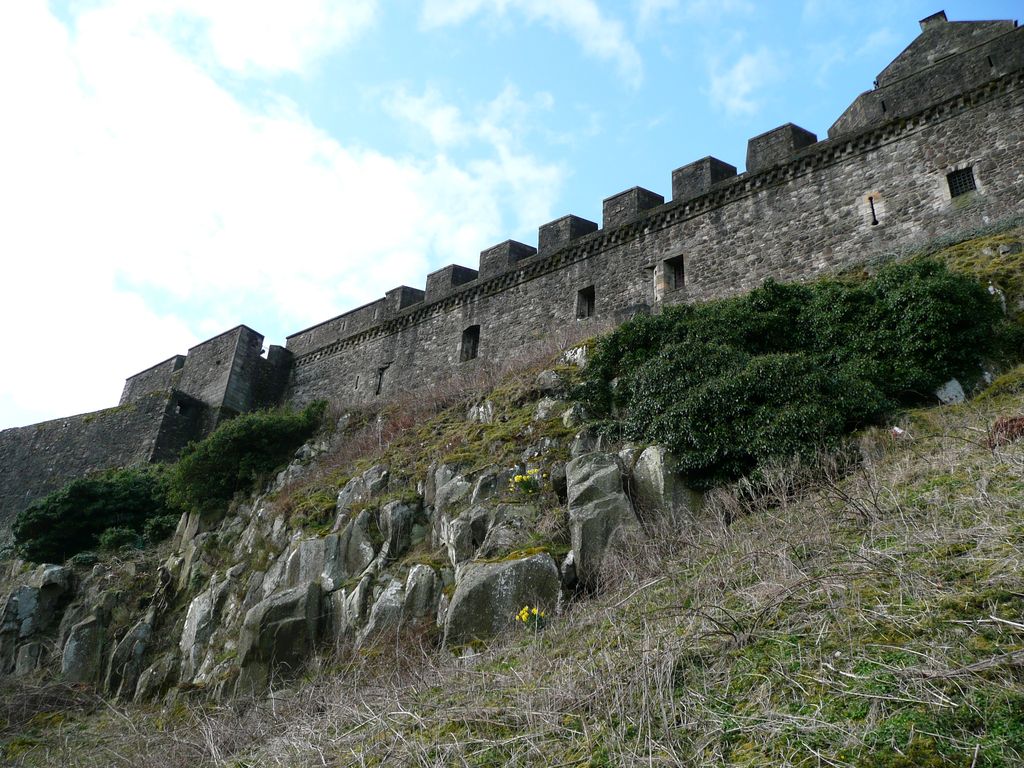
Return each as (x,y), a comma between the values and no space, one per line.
(698,177)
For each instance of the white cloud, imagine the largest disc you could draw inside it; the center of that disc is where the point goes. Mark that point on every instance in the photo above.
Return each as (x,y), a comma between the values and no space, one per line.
(443,122)
(500,125)
(133,188)
(248,37)
(739,88)
(652,12)
(599,36)
(880,39)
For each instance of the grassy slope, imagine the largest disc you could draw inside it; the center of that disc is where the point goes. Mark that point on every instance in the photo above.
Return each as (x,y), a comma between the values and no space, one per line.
(871,620)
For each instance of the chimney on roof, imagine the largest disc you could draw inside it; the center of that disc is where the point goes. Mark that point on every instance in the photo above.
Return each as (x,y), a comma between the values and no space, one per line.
(930,21)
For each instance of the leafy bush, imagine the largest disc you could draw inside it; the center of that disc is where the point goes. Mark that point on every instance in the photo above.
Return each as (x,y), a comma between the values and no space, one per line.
(72,519)
(732,384)
(117,538)
(159,528)
(237,454)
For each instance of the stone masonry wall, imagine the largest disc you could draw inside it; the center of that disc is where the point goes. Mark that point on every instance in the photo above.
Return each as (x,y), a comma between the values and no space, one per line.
(159,377)
(42,458)
(807,216)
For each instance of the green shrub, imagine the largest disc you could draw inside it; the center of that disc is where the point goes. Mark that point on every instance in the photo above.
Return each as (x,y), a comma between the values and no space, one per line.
(72,519)
(159,528)
(118,538)
(785,369)
(236,455)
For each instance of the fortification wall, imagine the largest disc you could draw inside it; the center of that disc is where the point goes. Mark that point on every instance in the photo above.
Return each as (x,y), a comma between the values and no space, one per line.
(946,58)
(42,458)
(158,378)
(792,220)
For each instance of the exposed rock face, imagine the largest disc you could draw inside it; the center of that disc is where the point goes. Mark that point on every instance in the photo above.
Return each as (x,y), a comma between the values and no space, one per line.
(126,662)
(287,589)
(422,591)
(951,392)
(83,652)
(488,595)
(201,621)
(481,413)
(280,631)
(550,383)
(385,614)
(155,679)
(600,514)
(372,482)
(657,488)
(395,522)
(350,552)
(30,612)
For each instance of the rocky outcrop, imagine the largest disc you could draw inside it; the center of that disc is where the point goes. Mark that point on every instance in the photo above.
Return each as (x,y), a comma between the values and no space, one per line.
(251,596)
(658,490)
(127,660)
(488,595)
(278,633)
(83,652)
(600,514)
(30,613)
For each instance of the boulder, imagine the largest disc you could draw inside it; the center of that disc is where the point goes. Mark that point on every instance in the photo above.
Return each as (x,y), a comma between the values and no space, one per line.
(488,596)
(463,535)
(657,487)
(548,408)
(600,514)
(156,679)
(481,413)
(82,661)
(508,528)
(279,632)
(200,623)
(586,441)
(395,522)
(438,475)
(422,591)
(29,658)
(550,383)
(950,392)
(348,553)
(370,483)
(574,416)
(451,494)
(126,661)
(385,614)
(487,484)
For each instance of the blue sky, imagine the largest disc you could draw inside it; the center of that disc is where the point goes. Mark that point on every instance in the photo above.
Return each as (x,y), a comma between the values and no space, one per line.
(172,168)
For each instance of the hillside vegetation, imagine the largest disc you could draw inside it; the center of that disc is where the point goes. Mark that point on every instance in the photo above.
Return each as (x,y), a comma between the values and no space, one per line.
(855,602)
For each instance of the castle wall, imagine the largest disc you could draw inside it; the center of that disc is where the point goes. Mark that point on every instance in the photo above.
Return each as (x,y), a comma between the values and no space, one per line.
(159,377)
(925,77)
(792,221)
(42,458)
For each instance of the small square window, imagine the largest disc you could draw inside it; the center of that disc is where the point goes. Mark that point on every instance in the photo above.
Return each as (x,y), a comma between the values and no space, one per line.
(585,301)
(675,274)
(961,182)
